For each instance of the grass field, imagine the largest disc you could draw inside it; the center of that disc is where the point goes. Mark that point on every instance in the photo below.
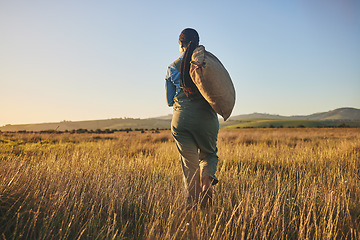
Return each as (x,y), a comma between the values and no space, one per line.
(288,123)
(274,184)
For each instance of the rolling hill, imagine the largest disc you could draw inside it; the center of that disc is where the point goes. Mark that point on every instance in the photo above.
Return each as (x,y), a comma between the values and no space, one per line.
(337,114)
(341,117)
(117,123)
(349,117)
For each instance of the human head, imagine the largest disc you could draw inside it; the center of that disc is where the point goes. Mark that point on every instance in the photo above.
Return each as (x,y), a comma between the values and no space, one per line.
(188,35)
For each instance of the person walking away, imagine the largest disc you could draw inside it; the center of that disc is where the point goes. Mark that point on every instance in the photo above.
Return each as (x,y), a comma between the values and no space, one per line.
(194,125)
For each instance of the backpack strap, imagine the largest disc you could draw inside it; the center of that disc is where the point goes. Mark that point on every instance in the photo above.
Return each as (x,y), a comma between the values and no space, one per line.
(177,64)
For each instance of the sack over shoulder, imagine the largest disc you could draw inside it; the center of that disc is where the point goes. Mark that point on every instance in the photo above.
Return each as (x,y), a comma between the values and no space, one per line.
(213,81)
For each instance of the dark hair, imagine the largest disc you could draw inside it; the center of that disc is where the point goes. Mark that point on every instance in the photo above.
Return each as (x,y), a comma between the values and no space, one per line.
(190,38)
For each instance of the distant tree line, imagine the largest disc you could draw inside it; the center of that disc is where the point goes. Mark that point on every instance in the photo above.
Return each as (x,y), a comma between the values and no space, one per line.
(157,130)
(98,131)
(342,125)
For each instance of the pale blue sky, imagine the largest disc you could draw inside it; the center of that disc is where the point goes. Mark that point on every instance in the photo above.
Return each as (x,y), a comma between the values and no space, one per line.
(83,60)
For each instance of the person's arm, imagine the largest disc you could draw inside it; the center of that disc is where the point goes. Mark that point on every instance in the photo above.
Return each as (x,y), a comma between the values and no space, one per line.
(171,76)
(170,92)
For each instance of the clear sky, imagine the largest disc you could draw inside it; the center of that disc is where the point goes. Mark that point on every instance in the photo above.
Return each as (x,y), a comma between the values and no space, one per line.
(85,60)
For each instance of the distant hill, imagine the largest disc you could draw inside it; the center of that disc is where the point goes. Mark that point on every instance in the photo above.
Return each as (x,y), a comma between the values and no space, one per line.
(338,117)
(341,117)
(167,117)
(337,114)
(257,116)
(117,123)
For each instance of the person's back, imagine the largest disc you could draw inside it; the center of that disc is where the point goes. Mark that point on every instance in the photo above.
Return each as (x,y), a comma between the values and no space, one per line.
(194,125)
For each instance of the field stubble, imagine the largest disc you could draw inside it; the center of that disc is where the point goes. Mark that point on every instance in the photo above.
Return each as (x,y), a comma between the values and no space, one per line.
(274,184)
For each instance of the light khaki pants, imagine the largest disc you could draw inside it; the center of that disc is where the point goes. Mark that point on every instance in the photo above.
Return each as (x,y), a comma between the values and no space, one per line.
(195,127)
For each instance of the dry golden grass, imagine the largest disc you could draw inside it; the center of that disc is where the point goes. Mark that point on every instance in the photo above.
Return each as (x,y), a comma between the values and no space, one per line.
(274,184)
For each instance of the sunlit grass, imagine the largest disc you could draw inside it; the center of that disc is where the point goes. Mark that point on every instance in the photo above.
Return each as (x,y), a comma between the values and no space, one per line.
(274,184)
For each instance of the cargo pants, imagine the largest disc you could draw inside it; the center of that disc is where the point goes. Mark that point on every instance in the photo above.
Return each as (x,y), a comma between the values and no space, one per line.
(195,128)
